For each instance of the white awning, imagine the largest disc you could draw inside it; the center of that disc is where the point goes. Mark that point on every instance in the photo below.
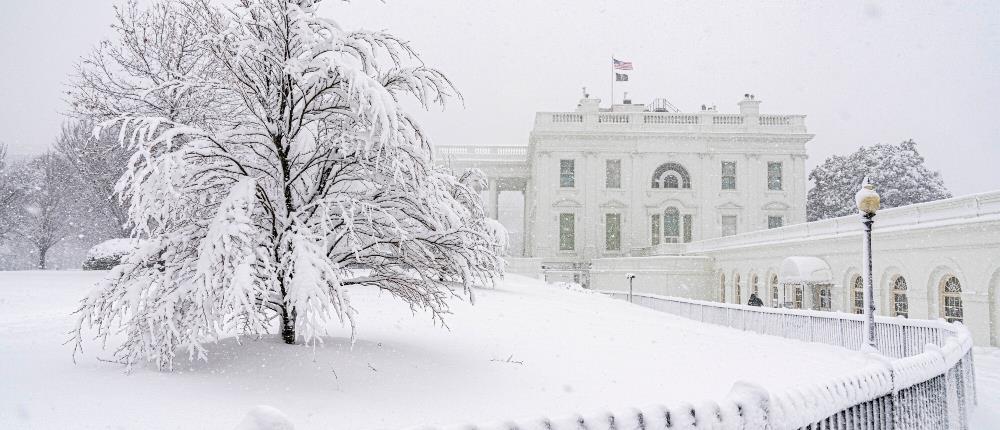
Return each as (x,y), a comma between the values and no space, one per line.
(802,270)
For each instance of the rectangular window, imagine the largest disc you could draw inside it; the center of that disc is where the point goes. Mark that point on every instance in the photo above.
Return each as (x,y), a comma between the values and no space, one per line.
(859,301)
(900,306)
(798,297)
(953,308)
(613,174)
(825,301)
(612,232)
(774,175)
(687,228)
(567,173)
(567,232)
(728,225)
(728,175)
(655,232)
(775,221)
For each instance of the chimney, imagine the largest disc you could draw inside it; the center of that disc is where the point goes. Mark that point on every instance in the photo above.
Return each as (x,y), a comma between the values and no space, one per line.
(749,106)
(588,104)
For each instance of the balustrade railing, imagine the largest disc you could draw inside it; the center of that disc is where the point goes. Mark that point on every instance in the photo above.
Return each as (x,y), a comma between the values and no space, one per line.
(669,121)
(485,153)
(727,120)
(774,120)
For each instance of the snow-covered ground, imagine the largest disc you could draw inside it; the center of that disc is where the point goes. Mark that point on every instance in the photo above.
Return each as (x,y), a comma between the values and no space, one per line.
(987,413)
(525,349)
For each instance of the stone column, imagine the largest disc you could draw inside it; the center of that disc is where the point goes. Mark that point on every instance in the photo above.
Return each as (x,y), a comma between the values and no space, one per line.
(808,290)
(494,199)
(592,219)
(525,226)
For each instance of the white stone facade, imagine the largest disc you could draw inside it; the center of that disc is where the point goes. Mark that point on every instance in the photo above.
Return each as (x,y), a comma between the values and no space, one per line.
(947,253)
(671,174)
(925,245)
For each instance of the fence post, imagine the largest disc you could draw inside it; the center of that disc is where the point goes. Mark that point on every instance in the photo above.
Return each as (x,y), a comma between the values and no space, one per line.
(960,395)
(840,324)
(754,402)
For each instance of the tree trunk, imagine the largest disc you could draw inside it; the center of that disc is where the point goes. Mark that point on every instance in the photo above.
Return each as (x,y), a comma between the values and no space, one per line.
(288,327)
(41,258)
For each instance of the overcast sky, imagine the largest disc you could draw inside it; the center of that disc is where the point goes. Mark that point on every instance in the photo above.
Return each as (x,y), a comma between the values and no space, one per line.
(863,73)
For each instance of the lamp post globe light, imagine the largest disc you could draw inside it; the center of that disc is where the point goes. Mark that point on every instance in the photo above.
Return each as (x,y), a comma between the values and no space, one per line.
(868,203)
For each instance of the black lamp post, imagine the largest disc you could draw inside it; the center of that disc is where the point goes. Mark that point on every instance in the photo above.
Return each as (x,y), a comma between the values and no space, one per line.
(868,203)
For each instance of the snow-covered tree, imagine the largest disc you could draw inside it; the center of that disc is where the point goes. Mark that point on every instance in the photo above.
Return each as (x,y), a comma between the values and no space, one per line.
(46,213)
(97,162)
(898,172)
(11,193)
(310,180)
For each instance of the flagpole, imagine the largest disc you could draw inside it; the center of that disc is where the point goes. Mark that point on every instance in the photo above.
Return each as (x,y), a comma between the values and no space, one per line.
(612,80)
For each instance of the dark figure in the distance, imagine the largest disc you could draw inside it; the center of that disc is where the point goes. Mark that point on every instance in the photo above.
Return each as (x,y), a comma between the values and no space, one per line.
(755,301)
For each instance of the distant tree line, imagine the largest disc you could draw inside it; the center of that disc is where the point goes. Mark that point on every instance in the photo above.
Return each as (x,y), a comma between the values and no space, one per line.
(54,206)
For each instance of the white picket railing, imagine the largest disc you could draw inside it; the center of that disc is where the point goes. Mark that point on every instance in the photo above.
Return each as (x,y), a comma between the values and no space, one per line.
(923,378)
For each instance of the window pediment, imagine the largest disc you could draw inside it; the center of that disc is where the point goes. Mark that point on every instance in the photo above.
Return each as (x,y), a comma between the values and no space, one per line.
(613,203)
(567,203)
(776,206)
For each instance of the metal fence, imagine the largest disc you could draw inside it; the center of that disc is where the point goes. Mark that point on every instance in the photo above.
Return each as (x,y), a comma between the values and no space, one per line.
(924,376)
(894,337)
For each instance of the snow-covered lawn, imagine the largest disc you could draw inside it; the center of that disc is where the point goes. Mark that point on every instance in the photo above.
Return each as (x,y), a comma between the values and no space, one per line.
(987,413)
(525,349)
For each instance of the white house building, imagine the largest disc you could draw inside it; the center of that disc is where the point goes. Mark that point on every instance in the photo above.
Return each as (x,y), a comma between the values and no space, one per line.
(611,182)
(708,205)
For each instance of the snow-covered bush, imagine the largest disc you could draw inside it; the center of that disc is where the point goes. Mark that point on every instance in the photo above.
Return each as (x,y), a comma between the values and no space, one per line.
(305,170)
(108,254)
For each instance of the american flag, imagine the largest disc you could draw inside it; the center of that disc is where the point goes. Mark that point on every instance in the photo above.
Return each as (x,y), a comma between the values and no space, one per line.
(622,65)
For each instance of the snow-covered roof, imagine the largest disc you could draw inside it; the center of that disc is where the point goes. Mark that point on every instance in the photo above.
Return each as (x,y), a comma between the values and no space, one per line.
(798,270)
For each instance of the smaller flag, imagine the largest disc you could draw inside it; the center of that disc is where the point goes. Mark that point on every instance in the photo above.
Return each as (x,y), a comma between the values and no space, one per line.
(622,65)
(621,77)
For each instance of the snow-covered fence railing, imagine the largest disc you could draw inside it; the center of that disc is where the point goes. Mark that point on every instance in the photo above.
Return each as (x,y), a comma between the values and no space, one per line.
(746,407)
(894,337)
(923,376)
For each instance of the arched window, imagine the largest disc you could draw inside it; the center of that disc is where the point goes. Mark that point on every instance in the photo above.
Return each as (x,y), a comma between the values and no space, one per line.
(736,289)
(774,290)
(899,306)
(858,294)
(722,288)
(951,299)
(671,180)
(753,284)
(671,225)
(671,175)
